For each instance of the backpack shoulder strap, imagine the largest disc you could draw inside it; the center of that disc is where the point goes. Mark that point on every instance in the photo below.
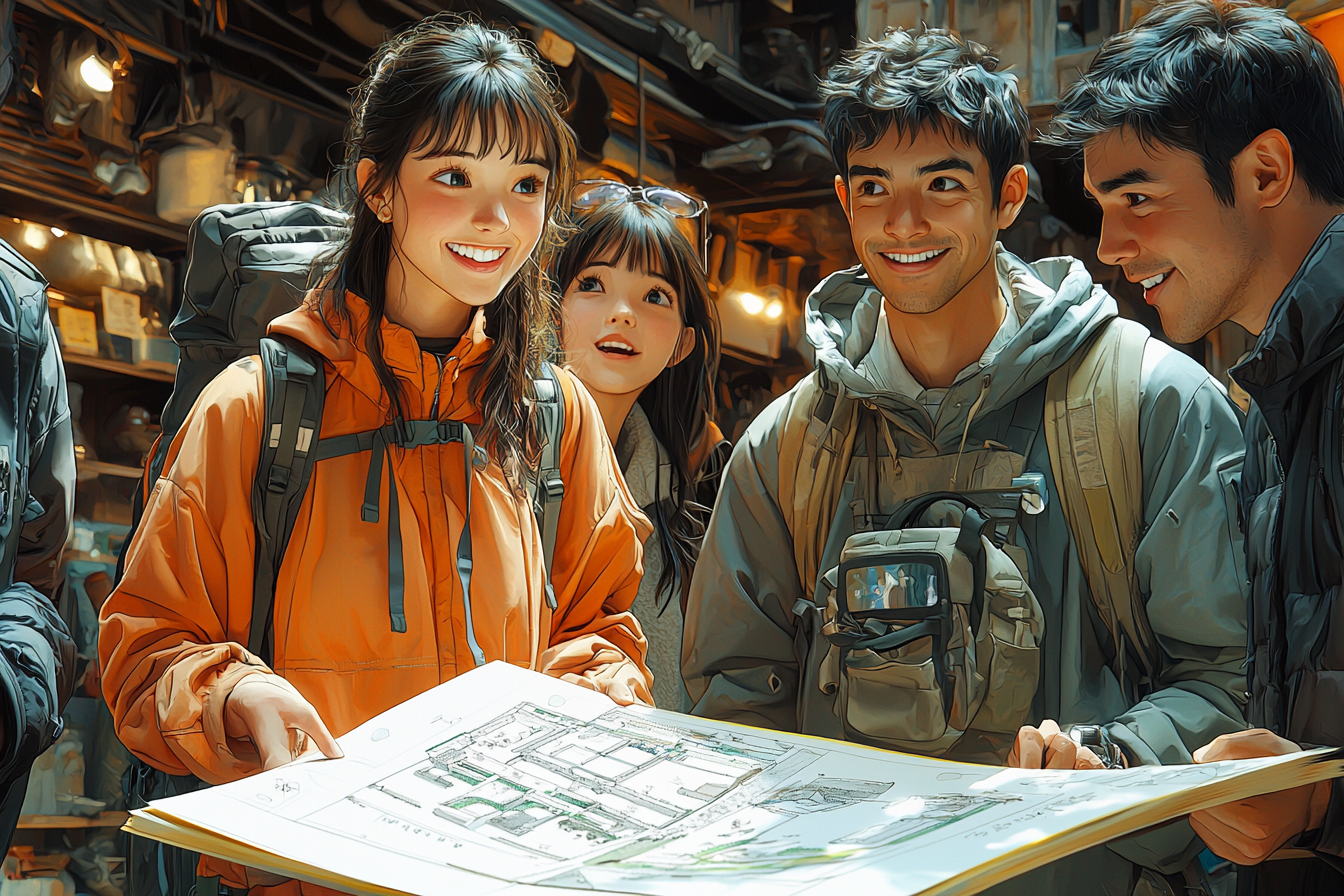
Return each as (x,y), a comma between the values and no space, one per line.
(294,392)
(816,441)
(1092,432)
(548,487)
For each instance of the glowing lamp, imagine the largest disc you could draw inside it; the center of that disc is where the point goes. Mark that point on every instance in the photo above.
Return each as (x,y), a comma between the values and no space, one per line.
(35,237)
(753,303)
(96,74)
(774,309)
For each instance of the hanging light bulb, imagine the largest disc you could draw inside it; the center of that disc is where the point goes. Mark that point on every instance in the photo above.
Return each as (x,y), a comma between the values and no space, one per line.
(96,74)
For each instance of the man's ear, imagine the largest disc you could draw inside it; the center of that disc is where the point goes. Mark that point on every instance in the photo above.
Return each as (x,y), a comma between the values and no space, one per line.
(842,193)
(684,346)
(1012,195)
(1263,172)
(378,203)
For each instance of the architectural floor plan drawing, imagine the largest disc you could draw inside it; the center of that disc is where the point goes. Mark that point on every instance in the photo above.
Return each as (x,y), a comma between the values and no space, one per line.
(504,780)
(626,796)
(532,781)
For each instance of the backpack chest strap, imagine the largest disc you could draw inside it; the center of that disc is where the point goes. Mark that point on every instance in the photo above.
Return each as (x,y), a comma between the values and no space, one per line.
(409,434)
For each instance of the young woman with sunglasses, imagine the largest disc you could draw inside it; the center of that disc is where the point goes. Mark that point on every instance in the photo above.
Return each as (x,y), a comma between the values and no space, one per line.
(639,330)
(434,311)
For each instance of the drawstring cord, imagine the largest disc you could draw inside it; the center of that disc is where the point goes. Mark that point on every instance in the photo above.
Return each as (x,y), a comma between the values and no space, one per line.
(410,434)
(984,390)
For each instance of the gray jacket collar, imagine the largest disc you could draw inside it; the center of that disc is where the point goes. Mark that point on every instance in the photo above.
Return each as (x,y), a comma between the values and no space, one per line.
(1056,300)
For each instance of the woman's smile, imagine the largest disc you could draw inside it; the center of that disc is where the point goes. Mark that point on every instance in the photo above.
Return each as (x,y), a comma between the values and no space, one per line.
(480,259)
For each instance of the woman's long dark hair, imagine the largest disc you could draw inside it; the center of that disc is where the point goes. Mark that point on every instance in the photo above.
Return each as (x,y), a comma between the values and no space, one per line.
(680,401)
(432,89)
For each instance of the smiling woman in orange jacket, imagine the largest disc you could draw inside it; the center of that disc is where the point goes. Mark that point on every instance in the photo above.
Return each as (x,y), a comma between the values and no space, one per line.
(433,310)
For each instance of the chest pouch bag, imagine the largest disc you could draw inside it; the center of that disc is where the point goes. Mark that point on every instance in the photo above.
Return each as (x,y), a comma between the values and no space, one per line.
(933,629)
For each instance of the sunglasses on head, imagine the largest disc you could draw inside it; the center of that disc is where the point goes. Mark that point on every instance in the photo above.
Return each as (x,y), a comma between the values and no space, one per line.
(593,194)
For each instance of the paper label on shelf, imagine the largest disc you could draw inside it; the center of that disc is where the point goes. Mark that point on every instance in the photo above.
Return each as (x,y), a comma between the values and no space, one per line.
(121,313)
(79,330)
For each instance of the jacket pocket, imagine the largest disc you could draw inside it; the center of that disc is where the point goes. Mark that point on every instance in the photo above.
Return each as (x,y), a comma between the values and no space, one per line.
(1013,676)
(892,701)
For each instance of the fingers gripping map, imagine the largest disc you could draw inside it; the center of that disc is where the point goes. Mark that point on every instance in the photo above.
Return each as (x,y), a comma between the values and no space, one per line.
(504,778)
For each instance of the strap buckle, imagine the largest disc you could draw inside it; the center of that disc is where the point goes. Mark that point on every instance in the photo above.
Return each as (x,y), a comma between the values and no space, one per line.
(419,433)
(554,485)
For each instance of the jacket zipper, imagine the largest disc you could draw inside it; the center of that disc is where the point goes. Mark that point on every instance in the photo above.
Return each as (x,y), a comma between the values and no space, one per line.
(468,621)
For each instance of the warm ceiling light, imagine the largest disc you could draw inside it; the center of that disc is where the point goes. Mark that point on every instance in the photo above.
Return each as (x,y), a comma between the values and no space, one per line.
(774,309)
(35,237)
(96,74)
(753,303)
(57,232)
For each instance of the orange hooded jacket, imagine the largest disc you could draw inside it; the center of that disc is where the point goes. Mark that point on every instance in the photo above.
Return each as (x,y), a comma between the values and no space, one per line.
(172,633)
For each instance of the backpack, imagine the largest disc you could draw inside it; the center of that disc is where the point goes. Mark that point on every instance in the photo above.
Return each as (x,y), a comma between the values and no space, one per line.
(933,629)
(1091,415)
(246,265)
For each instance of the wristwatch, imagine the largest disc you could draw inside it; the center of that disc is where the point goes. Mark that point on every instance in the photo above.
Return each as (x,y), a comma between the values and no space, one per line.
(1095,738)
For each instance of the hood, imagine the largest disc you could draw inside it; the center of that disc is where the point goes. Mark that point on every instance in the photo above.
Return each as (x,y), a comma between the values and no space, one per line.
(341,342)
(1303,336)
(1055,299)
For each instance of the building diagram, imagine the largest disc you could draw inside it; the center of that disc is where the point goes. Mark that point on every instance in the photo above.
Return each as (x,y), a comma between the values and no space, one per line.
(541,785)
(628,796)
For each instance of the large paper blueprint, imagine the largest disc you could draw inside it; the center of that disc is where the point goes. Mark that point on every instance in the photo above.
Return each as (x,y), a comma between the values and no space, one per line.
(505,776)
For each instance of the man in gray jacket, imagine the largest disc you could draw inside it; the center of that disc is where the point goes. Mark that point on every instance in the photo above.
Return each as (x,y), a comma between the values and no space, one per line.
(947,343)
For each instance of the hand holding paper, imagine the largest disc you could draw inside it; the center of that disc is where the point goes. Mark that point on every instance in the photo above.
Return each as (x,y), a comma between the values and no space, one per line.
(1249,831)
(1049,747)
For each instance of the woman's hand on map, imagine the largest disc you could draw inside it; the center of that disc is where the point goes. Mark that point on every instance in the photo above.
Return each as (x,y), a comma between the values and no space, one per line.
(280,723)
(1049,747)
(1249,831)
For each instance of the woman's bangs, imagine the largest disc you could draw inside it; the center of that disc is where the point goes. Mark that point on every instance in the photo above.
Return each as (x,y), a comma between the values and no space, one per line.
(487,112)
(642,239)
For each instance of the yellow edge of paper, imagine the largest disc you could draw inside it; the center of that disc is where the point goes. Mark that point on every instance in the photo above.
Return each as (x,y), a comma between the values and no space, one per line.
(1124,822)
(184,835)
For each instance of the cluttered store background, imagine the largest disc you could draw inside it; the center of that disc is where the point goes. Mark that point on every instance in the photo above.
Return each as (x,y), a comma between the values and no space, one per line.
(123,119)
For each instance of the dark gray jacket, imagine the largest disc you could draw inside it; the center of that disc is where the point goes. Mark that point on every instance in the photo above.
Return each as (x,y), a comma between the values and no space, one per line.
(1292,491)
(37,489)
(747,658)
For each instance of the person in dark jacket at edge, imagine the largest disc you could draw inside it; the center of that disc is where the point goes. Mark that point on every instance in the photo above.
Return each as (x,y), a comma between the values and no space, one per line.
(1212,135)
(37,489)
(37,493)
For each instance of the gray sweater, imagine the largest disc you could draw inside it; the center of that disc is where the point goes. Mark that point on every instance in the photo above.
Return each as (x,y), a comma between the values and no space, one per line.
(647,468)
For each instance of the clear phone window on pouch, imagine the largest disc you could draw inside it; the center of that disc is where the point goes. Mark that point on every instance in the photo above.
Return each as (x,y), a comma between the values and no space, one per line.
(904,585)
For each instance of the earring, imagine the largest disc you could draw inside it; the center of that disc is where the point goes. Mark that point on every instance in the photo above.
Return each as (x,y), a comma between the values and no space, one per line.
(384,215)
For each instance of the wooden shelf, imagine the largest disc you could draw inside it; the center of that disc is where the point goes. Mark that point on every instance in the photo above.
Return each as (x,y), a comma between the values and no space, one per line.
(144,373)
(101,820)
(102,469)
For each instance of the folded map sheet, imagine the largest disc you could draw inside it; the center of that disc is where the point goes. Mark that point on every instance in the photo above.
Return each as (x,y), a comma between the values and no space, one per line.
(503,780)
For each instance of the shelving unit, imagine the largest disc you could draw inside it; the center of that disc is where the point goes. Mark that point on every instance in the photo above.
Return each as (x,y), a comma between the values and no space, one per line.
(62,822)
(102,469)
(144,373)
